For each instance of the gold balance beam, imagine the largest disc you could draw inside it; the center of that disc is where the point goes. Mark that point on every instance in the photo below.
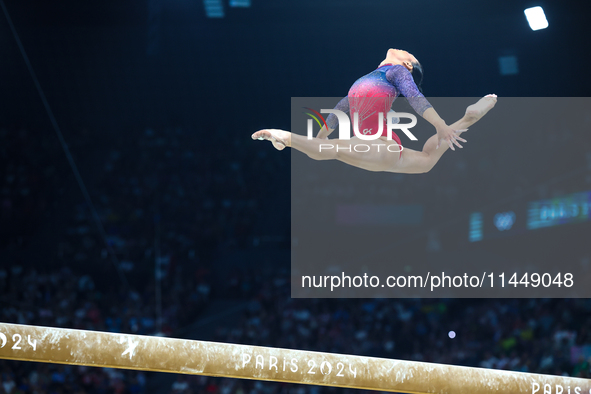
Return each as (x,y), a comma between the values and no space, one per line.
(101,349)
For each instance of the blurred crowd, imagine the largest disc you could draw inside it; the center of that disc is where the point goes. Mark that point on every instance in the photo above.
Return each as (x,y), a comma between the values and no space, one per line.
(169,202)
(147,275)
(550,336)
(61,298)
(527,335)
(177,187)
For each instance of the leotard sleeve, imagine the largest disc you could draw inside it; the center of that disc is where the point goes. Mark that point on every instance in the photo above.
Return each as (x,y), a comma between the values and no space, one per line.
(401,78)
(332,120)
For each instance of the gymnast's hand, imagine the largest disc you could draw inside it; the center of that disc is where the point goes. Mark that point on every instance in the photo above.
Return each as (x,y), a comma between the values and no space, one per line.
(449,135)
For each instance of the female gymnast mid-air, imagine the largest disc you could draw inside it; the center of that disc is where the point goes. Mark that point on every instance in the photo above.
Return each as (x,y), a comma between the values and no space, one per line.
(374,93)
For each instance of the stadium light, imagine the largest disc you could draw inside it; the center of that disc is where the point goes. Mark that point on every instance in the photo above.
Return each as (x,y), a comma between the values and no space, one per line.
(214,8)
(536,18)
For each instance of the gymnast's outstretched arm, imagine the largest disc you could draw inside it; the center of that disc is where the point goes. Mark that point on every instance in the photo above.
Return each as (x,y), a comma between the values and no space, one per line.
(400,77)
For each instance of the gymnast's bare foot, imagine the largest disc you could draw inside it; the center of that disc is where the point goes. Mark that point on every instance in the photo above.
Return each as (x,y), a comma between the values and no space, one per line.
(279,138)
(478,110)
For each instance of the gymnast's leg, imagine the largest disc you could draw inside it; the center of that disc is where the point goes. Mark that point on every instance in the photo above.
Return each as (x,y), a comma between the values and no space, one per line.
(414,162)
(377,158)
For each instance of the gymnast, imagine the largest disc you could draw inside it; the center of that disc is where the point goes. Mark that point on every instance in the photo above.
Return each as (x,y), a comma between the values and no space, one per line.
(399,73)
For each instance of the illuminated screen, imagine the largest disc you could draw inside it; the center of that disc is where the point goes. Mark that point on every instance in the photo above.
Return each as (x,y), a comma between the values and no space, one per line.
(573,208)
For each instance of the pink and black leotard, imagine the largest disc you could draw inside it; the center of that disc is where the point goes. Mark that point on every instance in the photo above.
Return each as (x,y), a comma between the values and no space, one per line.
(375,93)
